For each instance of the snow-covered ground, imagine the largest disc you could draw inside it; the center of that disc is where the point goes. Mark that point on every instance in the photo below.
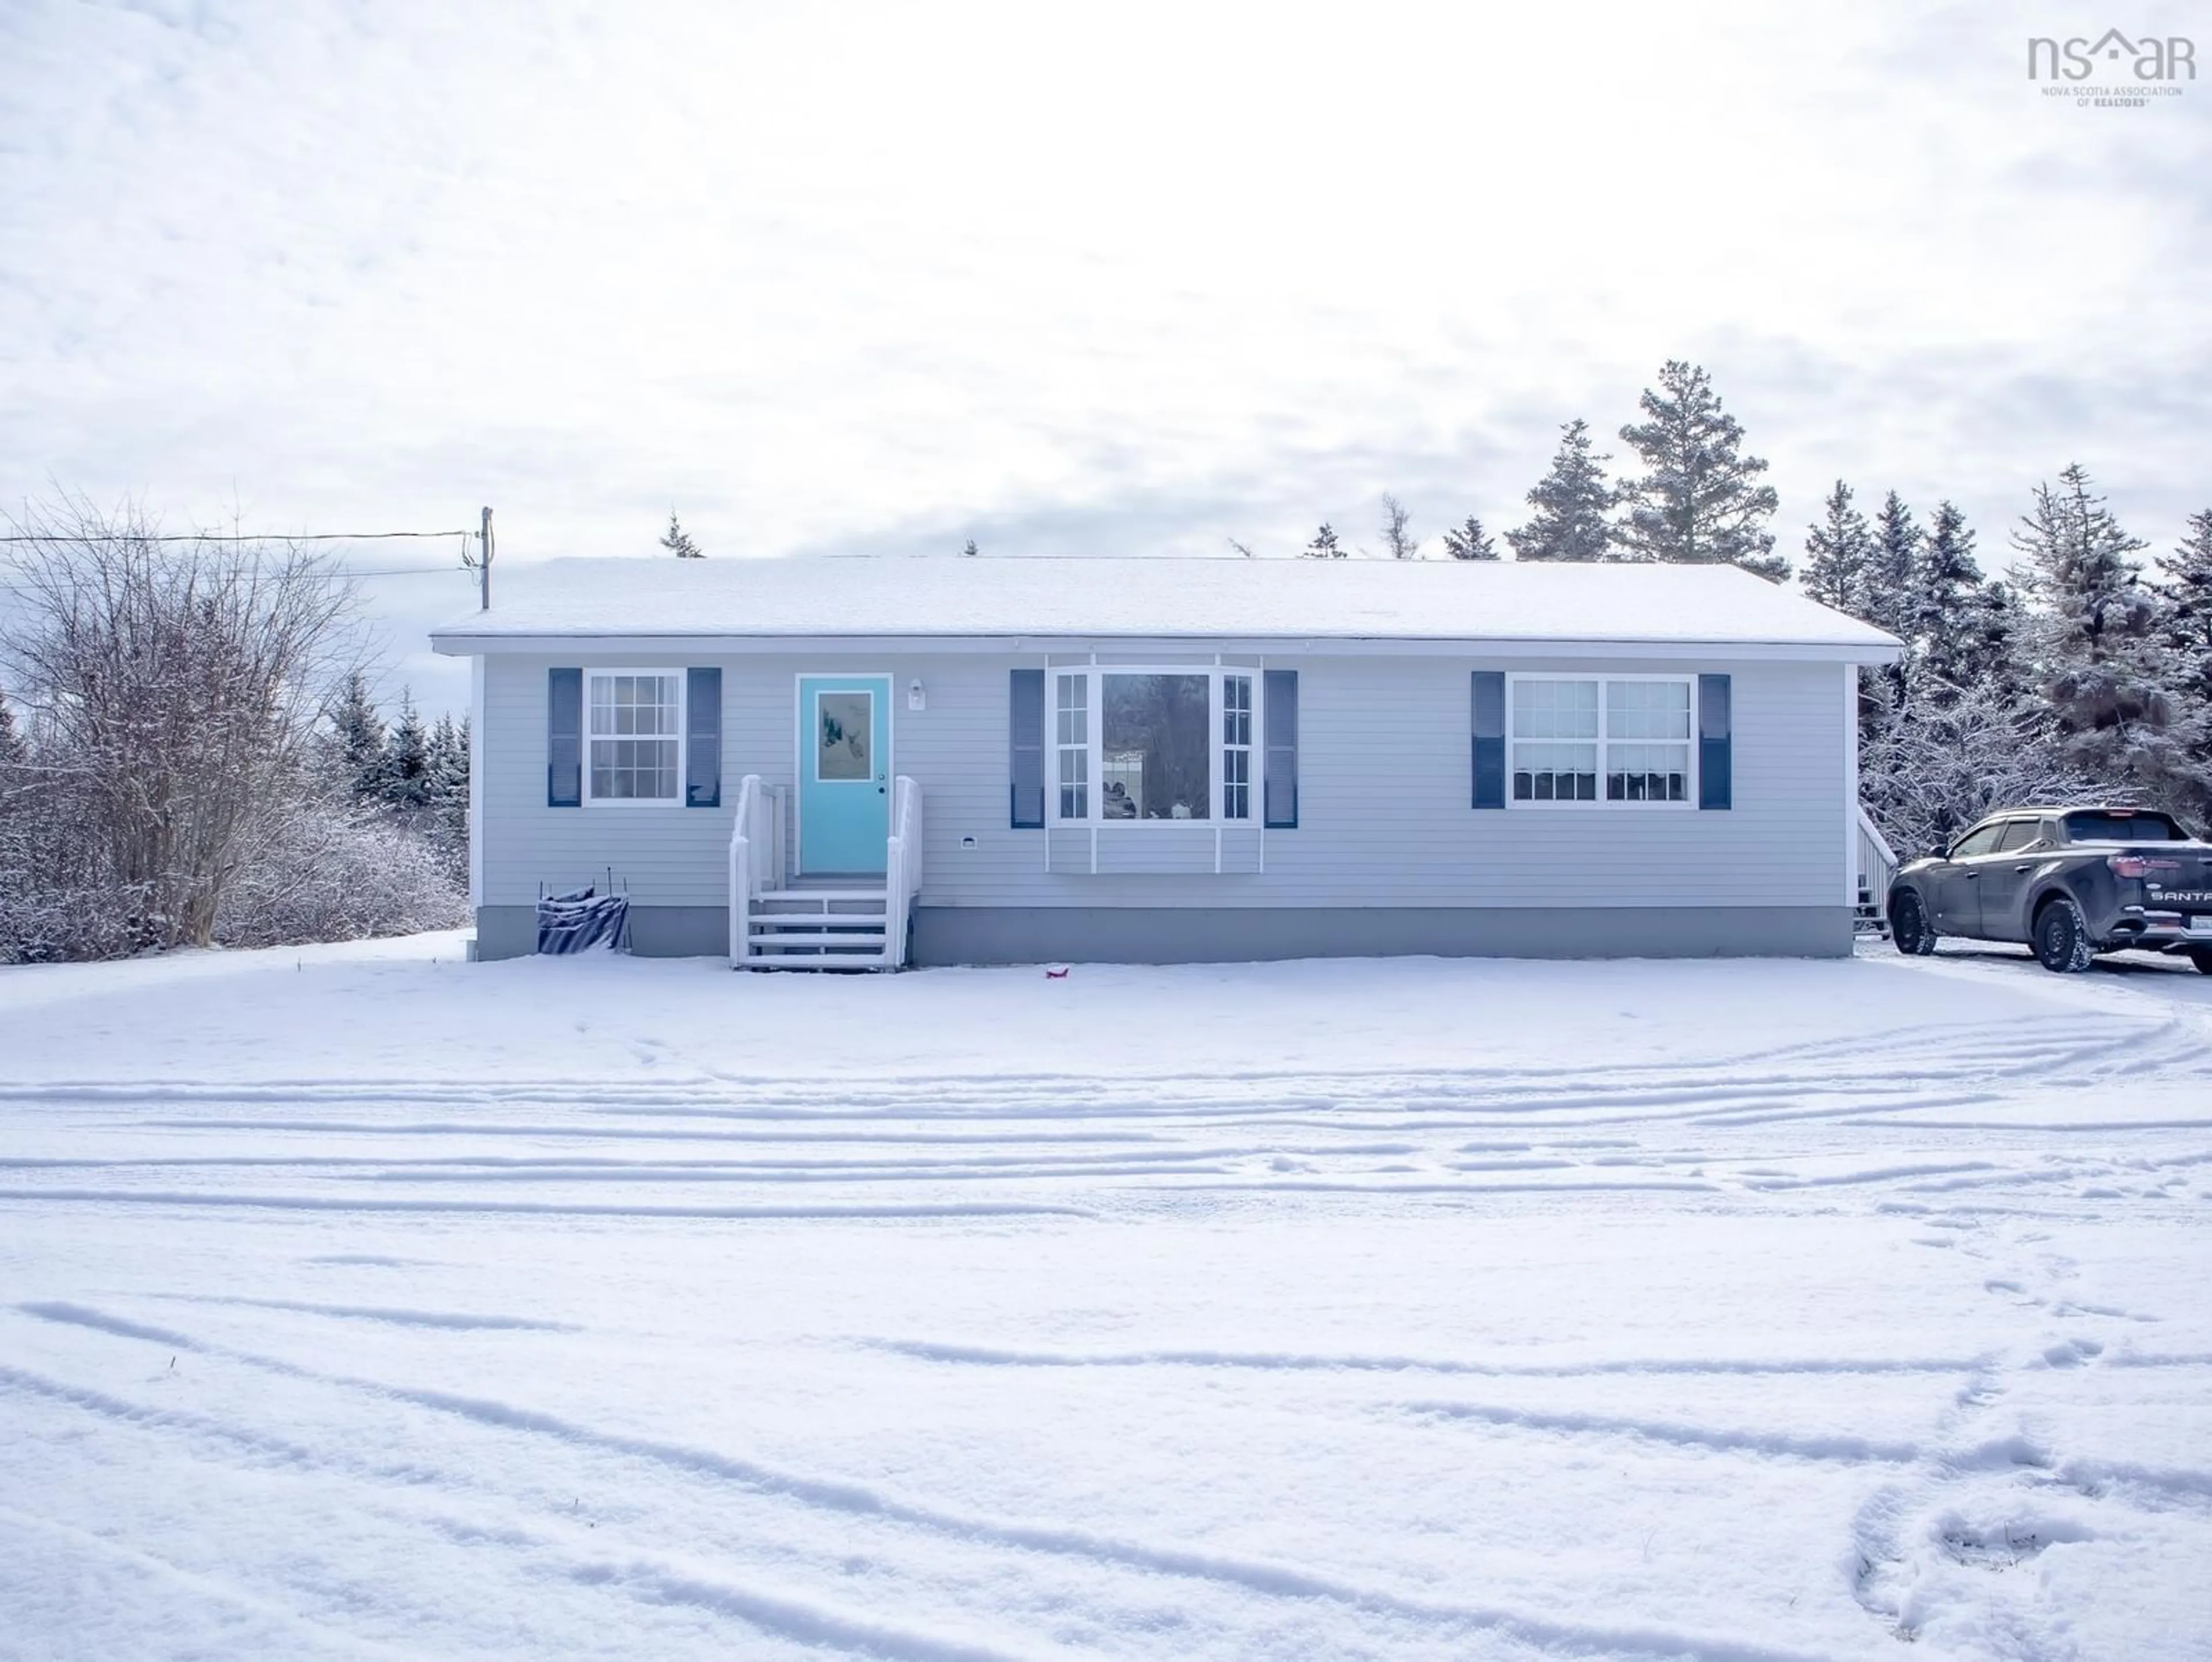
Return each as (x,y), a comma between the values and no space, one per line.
(362,1302)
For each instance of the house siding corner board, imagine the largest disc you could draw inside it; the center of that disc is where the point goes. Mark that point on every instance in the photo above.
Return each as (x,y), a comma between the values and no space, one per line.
(1384,819)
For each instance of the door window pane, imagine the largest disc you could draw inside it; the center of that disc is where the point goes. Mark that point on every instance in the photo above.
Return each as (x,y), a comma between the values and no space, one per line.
(1155,745)
(845,735)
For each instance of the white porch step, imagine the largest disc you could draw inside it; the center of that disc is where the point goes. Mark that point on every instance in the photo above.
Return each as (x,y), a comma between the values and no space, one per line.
(819,924)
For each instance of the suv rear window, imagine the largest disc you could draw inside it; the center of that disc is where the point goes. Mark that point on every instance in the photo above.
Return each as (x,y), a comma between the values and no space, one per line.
(2123,828)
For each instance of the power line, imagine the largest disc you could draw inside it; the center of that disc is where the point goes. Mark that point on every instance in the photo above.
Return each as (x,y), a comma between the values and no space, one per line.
(216,537)
(406,571)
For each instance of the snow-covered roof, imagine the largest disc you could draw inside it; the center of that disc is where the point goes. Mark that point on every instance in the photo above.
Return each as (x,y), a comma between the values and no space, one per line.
(952,598)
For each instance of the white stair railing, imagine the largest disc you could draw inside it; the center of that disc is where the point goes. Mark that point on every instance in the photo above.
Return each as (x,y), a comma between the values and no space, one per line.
(752,861)
(1877,865)
(901,868)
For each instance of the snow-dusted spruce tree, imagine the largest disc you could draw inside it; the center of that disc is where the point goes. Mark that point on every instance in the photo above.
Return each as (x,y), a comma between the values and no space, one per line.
(445,821)
(1398,541)
(1892,567)
(1574,504)
(1945,621)
(1469,541)
(2093,643)
(1836,550)
(1954,730)
(1699,501)
(678,541)
(2184,631)
(355,745)
(407,780)
(1324,545)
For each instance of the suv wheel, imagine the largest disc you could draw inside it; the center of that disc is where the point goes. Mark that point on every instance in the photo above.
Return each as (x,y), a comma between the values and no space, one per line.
(2202,957)
(1908,925)
(2061,937)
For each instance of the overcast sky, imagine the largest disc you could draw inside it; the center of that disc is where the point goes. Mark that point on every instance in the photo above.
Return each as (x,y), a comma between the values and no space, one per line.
(1118,279)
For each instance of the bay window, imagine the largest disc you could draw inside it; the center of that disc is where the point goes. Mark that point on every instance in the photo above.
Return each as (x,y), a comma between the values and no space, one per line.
(1152,746)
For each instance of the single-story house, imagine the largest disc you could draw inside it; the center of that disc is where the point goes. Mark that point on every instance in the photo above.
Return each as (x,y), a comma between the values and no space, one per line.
(977,760)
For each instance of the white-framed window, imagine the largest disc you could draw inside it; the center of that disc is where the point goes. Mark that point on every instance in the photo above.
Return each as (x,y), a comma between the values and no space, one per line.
(1072,744)
(1140,745)
(1613,739)
(1236,747)
(634,738)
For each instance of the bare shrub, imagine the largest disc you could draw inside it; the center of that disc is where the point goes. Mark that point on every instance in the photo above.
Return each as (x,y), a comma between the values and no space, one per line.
(322,869)
(160,793)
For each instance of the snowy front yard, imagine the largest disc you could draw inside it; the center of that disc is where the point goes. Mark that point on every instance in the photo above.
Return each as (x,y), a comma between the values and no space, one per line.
(363,1302)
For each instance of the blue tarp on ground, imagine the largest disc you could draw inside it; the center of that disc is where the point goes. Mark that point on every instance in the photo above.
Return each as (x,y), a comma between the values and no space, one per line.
(580,919)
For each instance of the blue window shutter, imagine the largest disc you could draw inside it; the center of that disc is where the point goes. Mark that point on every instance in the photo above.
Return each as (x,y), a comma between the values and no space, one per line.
(702,738)
(1489,728)
(564,737)
(1280,781)
(1715,763)
(1025,749)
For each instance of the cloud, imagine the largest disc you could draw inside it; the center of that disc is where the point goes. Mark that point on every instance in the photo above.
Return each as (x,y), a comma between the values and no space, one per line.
(891,275)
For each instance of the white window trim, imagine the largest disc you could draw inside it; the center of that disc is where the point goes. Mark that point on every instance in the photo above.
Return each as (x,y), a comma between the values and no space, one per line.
(1095,744)
(683,737)
(1513,682)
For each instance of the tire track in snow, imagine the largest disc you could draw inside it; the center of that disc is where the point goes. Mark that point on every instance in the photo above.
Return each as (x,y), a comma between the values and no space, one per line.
(544,1208)
(1298,1362)
(177,1577)
(858,1502)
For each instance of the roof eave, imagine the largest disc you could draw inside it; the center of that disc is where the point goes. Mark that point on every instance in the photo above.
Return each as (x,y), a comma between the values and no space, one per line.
(463,643)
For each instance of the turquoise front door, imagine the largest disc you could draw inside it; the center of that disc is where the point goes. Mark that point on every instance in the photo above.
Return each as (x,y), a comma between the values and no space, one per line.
(844,772)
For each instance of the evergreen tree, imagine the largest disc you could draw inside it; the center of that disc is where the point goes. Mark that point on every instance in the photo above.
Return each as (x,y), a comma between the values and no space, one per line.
(445,821)
(407,777)
(2184,628)
(1572,501)
(1397,538)
(356,748)
(1325,545)
(1892,571)
(1469,541)
(1837,553)
(678,541)
(2091,638)
(1700,502)
(1947,584)
(1996,632)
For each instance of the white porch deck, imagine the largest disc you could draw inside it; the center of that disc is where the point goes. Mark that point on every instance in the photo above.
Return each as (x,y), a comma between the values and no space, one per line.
(780,922)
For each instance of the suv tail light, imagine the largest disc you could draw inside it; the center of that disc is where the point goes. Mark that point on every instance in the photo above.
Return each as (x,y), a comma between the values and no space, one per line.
(2135,865)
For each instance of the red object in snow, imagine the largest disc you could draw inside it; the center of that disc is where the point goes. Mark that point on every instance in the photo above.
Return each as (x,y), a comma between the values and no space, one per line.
(1058,974)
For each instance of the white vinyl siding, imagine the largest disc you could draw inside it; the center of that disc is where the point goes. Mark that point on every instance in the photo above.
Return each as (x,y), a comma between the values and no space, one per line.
(1384,780)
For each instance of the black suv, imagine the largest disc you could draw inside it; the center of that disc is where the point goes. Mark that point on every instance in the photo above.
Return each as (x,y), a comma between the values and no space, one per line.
(2071,882)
